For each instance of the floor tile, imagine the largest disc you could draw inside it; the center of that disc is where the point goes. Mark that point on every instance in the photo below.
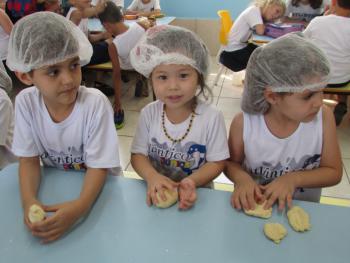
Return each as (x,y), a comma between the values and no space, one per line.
(229,107)
(124,150)
(341,190)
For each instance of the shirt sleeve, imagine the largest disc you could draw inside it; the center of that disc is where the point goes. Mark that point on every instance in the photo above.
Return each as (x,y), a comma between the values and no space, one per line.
(23,139)
(308,30)
(156,5)
(101,146)
(133,5)
(6,115)
(254,18)
(217,139)
(288,8)
(140,141)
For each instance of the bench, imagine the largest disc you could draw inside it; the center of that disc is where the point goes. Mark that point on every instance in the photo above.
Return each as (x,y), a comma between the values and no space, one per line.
(345,90)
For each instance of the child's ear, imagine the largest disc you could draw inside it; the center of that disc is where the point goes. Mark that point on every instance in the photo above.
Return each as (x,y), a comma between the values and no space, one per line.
(24,77)
(270,96)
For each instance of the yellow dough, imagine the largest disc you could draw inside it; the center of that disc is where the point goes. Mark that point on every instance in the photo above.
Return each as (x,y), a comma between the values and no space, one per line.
(171,198)
(259,211)
(275,231)
(36,214)
(298,219)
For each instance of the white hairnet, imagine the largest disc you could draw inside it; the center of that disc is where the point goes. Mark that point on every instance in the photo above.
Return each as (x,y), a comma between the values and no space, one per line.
(169,45)
(43,39)
(288,64)
(5,80)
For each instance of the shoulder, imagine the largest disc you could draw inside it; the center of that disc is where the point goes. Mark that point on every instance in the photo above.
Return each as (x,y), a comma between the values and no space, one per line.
(208,111)
(237,122)
(152,109)
(5,100)
(27,95)
(92,98)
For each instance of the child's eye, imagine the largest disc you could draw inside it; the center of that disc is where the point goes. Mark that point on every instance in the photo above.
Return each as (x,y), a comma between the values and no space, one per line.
(162,77)
(52,72)
(184,75)
(75,65)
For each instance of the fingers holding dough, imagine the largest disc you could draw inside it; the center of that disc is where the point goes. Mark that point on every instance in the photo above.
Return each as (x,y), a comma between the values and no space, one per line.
(36,214)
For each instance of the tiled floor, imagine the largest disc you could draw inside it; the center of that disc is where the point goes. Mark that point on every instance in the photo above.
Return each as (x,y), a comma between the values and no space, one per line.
(227,99)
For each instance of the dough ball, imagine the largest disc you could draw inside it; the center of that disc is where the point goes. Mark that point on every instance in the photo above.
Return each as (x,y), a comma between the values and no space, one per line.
(275,231)
(36,214)
(298,219)
(259,211)
(171,198)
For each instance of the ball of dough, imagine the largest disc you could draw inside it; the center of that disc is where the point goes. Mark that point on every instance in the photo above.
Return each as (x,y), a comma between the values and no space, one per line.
(298,219)
(171,198)
(36,214)
(259,211)
(275,231)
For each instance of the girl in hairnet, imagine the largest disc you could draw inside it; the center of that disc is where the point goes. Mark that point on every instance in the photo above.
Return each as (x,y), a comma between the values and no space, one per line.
(180,140)
(283,145)
(57,121)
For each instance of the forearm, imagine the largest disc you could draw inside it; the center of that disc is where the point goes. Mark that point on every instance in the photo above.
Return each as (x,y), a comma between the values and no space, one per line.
(96,37)
(320,177)
(93,183)
(29,179)
(207,172)
(143,166)
(117,82)
(235,172)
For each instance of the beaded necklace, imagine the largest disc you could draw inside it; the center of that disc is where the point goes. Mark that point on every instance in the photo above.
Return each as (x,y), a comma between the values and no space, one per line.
(187,130)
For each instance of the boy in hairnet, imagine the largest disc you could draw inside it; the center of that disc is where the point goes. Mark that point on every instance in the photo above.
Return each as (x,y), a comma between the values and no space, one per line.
(283,145)
(57,121)
(6,119)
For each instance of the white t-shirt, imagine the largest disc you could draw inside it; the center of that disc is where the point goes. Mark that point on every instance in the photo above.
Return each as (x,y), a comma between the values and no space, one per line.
(83,25)
(332,34)
(137,5)
(119,3)
(4,41)
(243,28)
(268,157)
(127,41)
(304,12)
(205,142)
(6,129)
(86,138)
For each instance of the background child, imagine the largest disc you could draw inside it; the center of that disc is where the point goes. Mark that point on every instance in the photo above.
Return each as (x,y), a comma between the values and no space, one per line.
(144,7)
(5,30)
(179,138)
(284,144)
(6,119)
(332,34)
(305,10)
(236,53)
(125,38)
(66,125)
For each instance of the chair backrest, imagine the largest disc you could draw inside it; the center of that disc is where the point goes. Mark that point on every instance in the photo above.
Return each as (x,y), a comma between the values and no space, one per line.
(225,25)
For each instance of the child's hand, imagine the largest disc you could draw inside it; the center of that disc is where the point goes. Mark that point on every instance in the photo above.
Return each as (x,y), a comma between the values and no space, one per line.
(281,189)
(246,194)
(53,227)
(158,183)
(187,193)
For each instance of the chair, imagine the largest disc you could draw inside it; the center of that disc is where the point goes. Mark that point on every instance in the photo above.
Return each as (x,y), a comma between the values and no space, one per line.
(225,26)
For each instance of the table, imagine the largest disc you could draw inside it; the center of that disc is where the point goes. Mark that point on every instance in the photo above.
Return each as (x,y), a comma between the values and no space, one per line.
(260,39)
(122,228)
(94,24)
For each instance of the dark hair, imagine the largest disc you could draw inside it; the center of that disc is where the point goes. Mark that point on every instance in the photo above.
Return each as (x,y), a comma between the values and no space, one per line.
(344,4)
(111,14)
(313,3)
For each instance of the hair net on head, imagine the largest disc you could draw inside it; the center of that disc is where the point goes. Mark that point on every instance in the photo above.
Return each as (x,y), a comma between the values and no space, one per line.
(5,80)
(288,64)
(43,39)
(169,45)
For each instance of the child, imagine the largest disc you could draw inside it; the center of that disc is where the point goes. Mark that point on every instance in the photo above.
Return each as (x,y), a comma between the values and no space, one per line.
(6,119)
(5,30)
(57,121)
(125,39)
(332,34)
(284,144)
(144,8)
(305,10)
(236,53)
(180,140)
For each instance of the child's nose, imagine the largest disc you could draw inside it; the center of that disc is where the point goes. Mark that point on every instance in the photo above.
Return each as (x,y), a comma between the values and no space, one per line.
(66,77)
(173,85)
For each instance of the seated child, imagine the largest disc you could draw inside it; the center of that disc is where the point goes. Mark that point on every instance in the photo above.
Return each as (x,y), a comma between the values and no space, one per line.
(180,140)
(125,38)
(16,9)
(331,33)
(236,53)
(5,30)
(284,144)
(57,121)
(6,119)
(144,8)
(304,10)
